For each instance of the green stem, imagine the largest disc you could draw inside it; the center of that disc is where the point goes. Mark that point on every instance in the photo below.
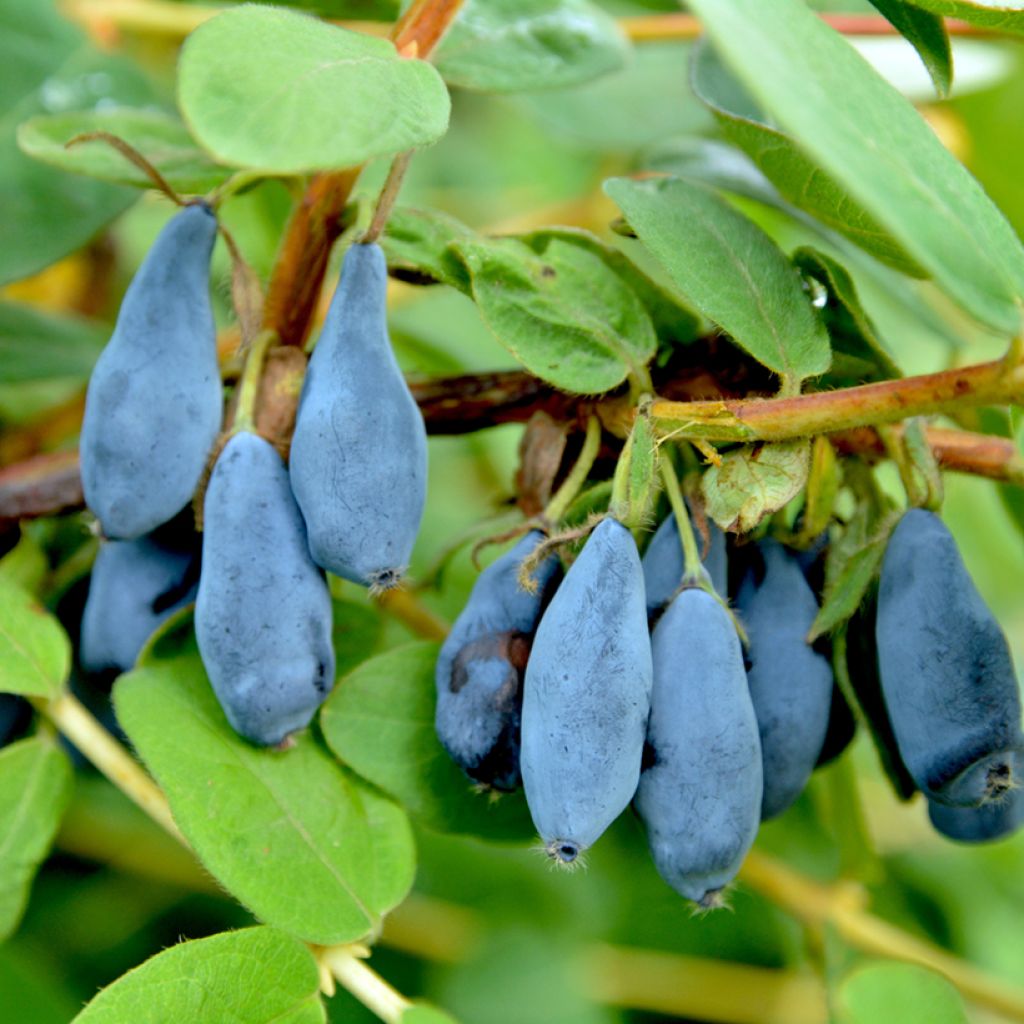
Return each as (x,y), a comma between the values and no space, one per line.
(694,571)
(365,984)
(573,483)
(249,383)
(897,451)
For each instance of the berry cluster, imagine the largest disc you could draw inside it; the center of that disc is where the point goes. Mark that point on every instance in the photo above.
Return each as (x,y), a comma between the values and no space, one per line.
(350,501)
(624,682)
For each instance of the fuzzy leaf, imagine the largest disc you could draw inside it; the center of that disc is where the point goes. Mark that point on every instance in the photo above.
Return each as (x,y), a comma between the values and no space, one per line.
(282,92)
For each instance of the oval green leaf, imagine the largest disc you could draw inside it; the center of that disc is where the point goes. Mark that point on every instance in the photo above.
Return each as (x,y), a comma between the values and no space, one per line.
(754,481)
(291,835)
(1008,17)
(252,976)
(161,138)
(729,269)
(35,788)
(35,653)
(863,133)
(380,722)
(529,45)
(278,91)
(778,157)
(566,316)
(897,991)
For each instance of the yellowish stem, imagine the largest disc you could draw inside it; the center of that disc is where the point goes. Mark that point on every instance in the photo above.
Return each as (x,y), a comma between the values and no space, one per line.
(403,605)
(364,983)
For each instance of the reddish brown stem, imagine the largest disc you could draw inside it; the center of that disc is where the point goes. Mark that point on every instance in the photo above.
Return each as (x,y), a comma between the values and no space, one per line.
(823,412)
(317,221)
(668,27)
(48,484)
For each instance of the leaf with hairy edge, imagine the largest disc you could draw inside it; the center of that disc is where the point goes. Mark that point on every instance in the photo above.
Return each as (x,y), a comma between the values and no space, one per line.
(1007,17)
(380,722)
(416,242)
(674,322)
(35,789)
(251,976)
(863,133)
(730,270)
(35,653)
(566,316)
(290,834)
(160,137)
(530,45)
(779,158)
(754,481)
(926,32)
(282,92)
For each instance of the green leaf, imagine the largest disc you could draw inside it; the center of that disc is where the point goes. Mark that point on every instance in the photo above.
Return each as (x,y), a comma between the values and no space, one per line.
(863,133)
(416,242)
(858,356)
(729,269)
(47,66)
(530,45)
(898,991)
(35,788)
(422,1014)
(288,833)
(926,32)
(158,136)
(35,345)
(251,976)
(797,177)
(35,653)
(674,323)
(1007,17)
(567,317)
(281,92)
(25,565)
(754,481)
(355,634)
(717,164)
(380,722)
(853,561)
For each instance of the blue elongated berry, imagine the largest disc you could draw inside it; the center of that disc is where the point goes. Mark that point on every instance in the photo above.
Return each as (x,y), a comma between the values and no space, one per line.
(946,672)
(994,820)
(263,613)
(663,564)
(700,792)
(586,695)
(153,406)
(135,585)
(790,683)
(481,664)
(358,459)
